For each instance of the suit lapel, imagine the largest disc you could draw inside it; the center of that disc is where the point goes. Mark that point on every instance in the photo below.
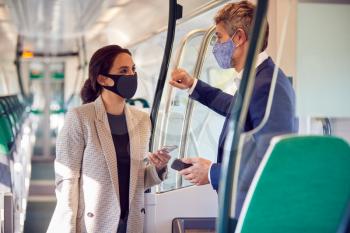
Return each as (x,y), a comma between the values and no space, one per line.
(225,129)
(134,137)
(262,66)
(106,141)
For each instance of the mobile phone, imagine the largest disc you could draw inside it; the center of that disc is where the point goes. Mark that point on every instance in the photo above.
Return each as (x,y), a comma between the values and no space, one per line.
(179,165)
(166,149)
(169,149)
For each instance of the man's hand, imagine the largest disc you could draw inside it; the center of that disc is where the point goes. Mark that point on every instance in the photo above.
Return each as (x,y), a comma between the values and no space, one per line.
(159,159)
(181,79)
(198,173)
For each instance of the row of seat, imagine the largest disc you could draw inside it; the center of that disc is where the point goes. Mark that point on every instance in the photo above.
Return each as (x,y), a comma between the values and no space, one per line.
(12,115)
(15,154)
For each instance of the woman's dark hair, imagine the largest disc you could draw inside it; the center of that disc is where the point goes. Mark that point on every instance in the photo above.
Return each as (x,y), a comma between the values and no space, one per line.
(100,63)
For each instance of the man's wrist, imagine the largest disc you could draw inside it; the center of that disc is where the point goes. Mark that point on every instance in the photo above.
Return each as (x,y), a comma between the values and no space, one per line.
(193,86)
(209,179)
(191,83)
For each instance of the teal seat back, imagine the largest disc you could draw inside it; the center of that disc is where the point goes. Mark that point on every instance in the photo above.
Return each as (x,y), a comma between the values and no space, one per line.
(302,185)
(144,102)
(7,108)
(6,136)
(12,109)
(13,117)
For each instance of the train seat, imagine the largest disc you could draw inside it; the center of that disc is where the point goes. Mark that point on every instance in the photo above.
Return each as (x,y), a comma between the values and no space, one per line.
(302,185)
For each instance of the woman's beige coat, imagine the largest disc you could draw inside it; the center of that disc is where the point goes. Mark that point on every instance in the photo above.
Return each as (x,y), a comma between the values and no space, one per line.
(87,188)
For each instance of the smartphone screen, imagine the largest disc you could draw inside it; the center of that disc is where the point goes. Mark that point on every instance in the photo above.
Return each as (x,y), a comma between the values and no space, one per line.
(169,149)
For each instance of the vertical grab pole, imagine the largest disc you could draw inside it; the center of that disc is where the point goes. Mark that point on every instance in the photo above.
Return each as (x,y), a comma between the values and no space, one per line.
(238,114)
(17,63)
(175,13)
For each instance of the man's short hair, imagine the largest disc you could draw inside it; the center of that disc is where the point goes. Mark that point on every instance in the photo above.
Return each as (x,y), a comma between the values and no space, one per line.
(239,15)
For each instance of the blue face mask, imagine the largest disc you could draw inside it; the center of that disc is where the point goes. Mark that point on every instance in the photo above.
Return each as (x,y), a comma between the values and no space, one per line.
(223,53)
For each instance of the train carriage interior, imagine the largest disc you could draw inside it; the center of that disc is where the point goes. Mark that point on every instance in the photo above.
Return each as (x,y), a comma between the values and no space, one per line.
(302,183)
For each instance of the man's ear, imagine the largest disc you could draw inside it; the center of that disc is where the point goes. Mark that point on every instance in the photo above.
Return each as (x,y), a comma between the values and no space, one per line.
(240,37)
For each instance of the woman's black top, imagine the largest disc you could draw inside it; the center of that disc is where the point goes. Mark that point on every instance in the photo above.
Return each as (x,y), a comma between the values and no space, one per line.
(120,136)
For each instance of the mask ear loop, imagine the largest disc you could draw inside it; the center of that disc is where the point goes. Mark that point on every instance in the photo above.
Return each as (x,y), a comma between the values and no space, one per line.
(236,46)
(233,36)
(105,78)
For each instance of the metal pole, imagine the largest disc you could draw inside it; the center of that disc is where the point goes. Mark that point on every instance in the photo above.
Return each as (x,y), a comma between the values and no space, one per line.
(189,109)
(175,13)
(238,113)
(18,67)
(46,115)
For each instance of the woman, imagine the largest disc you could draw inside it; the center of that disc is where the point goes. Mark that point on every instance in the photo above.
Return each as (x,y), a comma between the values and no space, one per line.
(100,171)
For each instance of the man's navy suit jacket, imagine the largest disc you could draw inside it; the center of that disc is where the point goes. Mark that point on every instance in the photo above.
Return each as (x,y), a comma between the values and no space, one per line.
(281,121)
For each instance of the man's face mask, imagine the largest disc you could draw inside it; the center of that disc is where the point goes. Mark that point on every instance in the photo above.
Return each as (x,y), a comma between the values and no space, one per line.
(223,53)
(124,85)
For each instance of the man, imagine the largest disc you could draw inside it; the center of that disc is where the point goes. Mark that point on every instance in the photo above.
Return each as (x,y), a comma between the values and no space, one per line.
(233,23)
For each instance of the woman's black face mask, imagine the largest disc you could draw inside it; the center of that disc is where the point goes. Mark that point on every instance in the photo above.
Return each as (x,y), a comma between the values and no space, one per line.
(124,85)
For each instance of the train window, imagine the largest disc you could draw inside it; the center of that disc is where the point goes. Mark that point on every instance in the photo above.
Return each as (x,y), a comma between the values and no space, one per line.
(213,40)
(3,82)
(205,126)
(172,118)
(8,79)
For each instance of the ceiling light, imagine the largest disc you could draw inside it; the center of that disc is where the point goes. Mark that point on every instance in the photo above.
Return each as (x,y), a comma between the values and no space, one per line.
(27,54)
(122,2)
(97,28)
(109,15)
(3,13)
(7,28)
(117,36)
(56,17)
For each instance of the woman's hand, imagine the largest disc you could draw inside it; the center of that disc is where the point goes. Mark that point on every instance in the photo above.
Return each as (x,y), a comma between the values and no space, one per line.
(159,159)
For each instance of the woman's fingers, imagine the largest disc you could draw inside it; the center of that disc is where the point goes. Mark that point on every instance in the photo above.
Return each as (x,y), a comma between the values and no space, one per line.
(162,155)
(159,158)
(153,161)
